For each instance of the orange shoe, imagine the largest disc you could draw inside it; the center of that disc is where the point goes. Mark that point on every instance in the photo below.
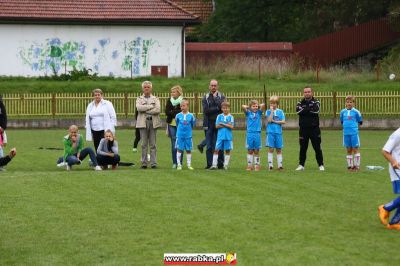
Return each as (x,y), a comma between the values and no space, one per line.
(257,168)
(393,226)
(249,168)
(383,215)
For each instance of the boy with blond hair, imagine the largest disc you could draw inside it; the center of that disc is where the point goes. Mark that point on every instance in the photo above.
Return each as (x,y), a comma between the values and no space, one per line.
(275,120)
(185,122)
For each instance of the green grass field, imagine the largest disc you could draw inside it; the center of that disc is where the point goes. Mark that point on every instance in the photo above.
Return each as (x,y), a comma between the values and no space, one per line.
(131,216)
(335,81)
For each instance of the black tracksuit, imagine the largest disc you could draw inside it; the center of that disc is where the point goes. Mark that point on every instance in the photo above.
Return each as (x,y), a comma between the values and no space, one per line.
(308,111)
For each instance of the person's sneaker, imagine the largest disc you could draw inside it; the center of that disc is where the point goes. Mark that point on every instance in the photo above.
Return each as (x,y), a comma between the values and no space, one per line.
(179,167)
(350,168)
(280,168)
(2,169)
(134,149)
(356,168)
(98,168)
(174,166)
(257,168)
(249,168)
(144,167)
(190,168)
(207,167)
(300,168)
(213,168)
(321,168)
(68,168)
(393,226)
(270,168)
(383,215)
(200,148)
(154,167)
(225,167)
(62,164)
(91,164)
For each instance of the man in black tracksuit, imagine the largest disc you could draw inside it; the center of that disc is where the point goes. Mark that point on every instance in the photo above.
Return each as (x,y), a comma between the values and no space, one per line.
(308,111)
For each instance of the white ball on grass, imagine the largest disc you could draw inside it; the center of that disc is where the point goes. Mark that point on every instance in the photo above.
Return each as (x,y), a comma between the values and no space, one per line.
(392,76)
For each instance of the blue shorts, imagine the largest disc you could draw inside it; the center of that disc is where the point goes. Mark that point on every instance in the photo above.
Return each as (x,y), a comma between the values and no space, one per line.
(253,141)
(224,145)
(184,144)
(396,186)
(351,141)
(274,141)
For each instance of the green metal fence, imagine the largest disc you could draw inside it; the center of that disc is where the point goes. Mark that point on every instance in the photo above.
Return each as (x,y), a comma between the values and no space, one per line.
(383,103)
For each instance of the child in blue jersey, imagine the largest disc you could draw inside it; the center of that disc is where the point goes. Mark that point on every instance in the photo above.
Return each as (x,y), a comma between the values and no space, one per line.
(275,120)
(253,133)
(350,118)
(225,124)
(185,122)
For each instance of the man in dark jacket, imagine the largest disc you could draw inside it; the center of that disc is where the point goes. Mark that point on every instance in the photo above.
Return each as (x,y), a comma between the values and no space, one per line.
(211,109)
(3,114)
(308,111)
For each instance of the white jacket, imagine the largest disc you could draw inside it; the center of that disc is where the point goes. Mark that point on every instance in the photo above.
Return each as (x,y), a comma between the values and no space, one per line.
(110,117)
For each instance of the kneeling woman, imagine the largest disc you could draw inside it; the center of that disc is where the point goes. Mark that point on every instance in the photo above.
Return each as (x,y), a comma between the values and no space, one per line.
(107,152)
(74,152)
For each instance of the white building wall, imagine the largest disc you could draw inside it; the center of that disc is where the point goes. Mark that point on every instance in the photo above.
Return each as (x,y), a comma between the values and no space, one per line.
(37,50)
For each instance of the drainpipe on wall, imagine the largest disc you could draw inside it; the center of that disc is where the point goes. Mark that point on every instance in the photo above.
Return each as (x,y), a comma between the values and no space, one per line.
(183,61)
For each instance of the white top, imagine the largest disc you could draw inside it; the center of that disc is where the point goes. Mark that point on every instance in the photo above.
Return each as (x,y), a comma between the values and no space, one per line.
(100,117)
(393,147)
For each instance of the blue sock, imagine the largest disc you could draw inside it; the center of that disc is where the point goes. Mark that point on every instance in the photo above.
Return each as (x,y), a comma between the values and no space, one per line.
(396,217)
(392,205)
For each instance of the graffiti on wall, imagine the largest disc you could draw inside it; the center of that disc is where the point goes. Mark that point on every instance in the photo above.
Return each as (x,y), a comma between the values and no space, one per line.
(55,56)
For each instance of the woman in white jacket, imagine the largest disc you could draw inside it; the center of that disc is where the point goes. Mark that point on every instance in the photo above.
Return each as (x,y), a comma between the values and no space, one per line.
(100,116)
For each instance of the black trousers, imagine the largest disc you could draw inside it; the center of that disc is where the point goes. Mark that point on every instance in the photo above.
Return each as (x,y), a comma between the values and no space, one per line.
(97,136)
(313,134)
(137,138)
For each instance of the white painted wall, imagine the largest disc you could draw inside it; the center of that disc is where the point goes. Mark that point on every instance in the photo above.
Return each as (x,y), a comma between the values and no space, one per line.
(33,50)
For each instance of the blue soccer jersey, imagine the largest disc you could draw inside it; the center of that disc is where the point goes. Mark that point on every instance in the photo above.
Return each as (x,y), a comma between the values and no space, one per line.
(350,120)
(224,133)
(272,127)
(184,124)
(253,121)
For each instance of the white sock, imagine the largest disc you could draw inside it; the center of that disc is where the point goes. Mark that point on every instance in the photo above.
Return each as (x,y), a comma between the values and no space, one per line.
(357,159)
(279,158)
(226,160)
(178,157)
(250,159)
(188,159)
(349,160)
(215,160)
(257,159)
(270,159)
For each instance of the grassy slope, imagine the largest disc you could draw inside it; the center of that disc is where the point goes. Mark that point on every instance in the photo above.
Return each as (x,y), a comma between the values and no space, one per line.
(352,82)
(132,216)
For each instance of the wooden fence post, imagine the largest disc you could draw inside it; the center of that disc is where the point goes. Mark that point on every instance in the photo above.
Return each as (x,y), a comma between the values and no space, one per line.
(53,105)
(126,104)
(196,104)
(334,103)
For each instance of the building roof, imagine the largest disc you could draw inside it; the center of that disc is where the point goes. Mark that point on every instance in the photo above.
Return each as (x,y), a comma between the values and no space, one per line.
(240,46)
(95,11)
